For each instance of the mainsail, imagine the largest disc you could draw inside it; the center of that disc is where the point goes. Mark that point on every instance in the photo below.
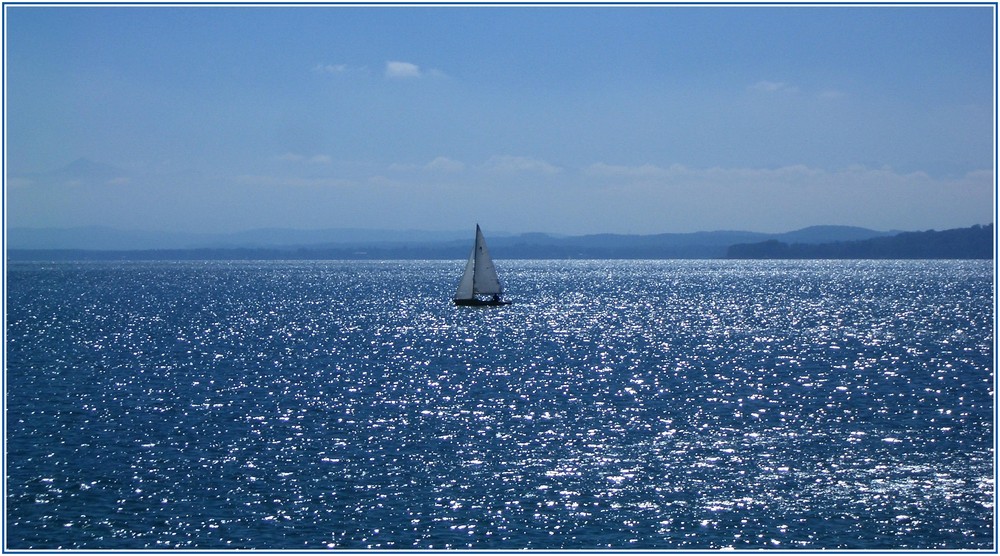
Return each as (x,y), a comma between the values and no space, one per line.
(480,277)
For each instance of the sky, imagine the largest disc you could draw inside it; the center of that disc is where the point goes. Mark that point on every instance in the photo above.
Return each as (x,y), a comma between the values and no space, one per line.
(569,120)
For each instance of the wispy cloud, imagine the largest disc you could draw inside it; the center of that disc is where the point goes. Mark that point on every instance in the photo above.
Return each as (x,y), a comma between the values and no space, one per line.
(515,164)
(339,69)
(445,164)
(402,70)
(774,87)
(406,70)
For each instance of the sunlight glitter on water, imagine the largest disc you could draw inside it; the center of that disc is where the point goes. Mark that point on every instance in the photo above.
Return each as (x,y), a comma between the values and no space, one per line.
(688,404)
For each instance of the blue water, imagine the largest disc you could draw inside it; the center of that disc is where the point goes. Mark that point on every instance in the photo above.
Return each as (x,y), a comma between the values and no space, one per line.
(615,404)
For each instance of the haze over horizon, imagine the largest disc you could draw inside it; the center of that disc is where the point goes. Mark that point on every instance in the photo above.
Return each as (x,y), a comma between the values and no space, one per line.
(463,233)
(563,120)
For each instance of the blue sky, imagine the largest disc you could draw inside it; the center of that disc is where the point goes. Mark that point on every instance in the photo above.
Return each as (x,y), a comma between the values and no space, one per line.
(556,119)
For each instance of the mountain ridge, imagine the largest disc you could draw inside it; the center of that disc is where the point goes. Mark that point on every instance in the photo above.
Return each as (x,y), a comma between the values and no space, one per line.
(346,244)
(103,238)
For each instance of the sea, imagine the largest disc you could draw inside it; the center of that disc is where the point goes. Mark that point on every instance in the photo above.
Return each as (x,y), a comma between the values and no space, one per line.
(615,405)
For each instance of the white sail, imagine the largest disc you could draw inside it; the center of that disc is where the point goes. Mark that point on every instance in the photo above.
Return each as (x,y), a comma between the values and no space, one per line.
(465,286)
(480,277)
(485,280)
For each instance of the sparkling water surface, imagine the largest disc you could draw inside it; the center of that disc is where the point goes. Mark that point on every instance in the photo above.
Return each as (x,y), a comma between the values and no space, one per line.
(615,404)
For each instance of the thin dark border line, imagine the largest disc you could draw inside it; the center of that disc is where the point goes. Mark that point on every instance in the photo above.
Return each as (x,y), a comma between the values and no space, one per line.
(459,4)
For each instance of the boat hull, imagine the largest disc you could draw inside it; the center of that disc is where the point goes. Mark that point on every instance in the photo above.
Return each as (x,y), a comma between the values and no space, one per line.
(480,303)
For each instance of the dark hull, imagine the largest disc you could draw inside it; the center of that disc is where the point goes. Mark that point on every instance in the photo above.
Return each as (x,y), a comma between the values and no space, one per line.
(480,303)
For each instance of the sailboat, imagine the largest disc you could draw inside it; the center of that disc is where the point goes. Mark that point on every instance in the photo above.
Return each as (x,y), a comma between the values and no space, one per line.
(480,285)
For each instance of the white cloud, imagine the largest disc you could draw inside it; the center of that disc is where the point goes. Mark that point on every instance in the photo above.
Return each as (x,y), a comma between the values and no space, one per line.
(402,70)
(339,69)
(515,164)
(444,164)
(774,87)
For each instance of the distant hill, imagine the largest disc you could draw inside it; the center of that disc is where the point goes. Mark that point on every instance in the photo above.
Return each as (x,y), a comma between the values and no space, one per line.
(98,243)
(961,243)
